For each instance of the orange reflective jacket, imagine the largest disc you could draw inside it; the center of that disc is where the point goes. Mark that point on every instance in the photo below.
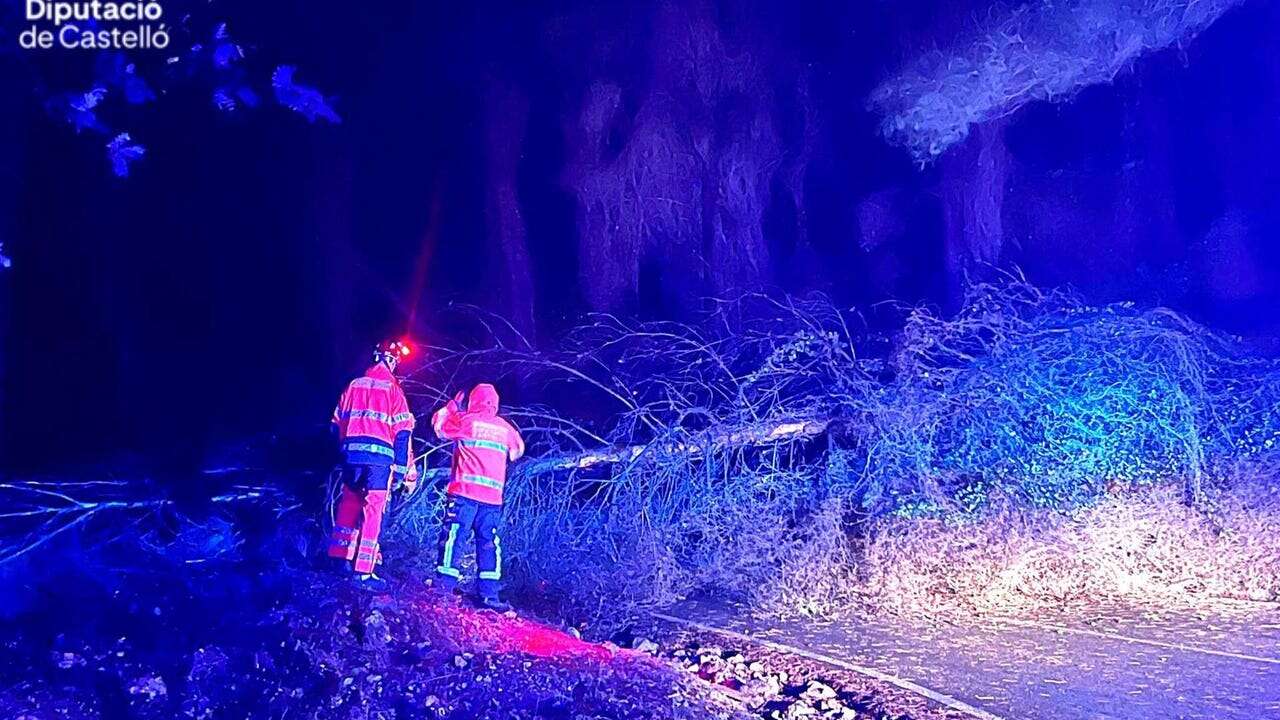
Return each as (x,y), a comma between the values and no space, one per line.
(485,443)
(373,420)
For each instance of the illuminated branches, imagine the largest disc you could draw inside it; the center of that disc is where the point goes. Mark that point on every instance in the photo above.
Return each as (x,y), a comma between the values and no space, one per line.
(671,451)
(38,512)
(669,457)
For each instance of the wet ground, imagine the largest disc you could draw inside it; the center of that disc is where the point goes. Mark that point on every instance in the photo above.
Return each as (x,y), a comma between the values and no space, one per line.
(1088,663)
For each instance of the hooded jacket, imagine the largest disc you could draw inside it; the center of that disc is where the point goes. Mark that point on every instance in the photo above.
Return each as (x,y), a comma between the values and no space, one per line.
(484,444)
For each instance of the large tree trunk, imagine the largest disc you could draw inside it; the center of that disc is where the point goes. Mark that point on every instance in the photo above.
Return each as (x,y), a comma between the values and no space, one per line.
(608,236)
(973,177)
(745,156)
(506,118)
(684,180)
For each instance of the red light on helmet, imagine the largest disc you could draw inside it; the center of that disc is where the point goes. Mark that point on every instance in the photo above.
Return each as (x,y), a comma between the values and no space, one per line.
(394,349)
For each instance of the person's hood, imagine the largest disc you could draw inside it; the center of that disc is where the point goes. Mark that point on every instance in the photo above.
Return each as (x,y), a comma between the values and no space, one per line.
(483,399)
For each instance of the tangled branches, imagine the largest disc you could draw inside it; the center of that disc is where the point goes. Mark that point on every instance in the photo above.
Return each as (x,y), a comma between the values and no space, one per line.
(666,448)
(1044,399)
(1146,545)
(668,458)
(1040,51)
(37,513)
(756,364)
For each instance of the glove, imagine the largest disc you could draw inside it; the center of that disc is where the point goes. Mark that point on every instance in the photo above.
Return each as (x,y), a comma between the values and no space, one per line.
(411,477)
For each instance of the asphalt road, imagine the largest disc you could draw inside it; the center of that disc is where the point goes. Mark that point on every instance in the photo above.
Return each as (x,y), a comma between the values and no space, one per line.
(1088,664)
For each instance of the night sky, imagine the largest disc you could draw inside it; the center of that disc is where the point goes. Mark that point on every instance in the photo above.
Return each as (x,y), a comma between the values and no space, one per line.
(232,283)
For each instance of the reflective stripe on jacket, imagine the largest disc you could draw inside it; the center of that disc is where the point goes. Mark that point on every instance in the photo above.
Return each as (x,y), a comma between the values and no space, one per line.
(485,443)
(373,420)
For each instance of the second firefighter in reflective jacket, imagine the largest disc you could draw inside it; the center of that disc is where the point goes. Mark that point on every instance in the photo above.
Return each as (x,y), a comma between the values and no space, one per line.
(484,444)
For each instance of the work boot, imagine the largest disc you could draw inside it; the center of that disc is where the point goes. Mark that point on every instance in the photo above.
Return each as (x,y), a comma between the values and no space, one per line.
(495,604)
(371,582)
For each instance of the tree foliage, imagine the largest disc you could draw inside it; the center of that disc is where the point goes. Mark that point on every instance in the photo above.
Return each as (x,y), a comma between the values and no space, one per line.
(668,458)
(120,86)
(1045,50)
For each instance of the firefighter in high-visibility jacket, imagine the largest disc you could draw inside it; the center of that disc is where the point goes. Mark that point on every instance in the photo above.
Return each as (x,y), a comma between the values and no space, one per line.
(374,426)
(484,443)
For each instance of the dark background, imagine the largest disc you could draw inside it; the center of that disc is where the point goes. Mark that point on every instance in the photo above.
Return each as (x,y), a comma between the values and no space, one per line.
(234,282)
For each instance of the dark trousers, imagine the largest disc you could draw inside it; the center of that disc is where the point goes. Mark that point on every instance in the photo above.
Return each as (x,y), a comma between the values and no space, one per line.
(464,517)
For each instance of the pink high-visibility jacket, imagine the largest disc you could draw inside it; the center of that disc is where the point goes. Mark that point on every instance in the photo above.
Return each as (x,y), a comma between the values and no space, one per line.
(373,420)
(485,443)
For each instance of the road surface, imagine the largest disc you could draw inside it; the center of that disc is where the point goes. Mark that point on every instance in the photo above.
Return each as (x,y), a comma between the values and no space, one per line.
(1103,663)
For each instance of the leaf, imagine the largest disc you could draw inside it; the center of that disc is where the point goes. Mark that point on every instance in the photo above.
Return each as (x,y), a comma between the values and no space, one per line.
(91,99)
(225,50)
(224,101)
(122,152)
(225,54)
(77,109)
(302,99)
(229,98)
(116,72)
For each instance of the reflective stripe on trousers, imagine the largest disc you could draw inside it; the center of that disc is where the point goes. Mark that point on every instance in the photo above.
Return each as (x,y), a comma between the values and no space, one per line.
(463,519)
(358,522)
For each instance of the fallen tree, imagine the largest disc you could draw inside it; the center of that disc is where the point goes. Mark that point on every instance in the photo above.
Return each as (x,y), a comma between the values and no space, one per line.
(754,453)
(783,453)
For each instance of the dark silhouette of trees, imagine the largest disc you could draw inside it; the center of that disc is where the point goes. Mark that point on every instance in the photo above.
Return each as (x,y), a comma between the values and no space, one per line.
(677,171)
(506,117)
(972,180)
